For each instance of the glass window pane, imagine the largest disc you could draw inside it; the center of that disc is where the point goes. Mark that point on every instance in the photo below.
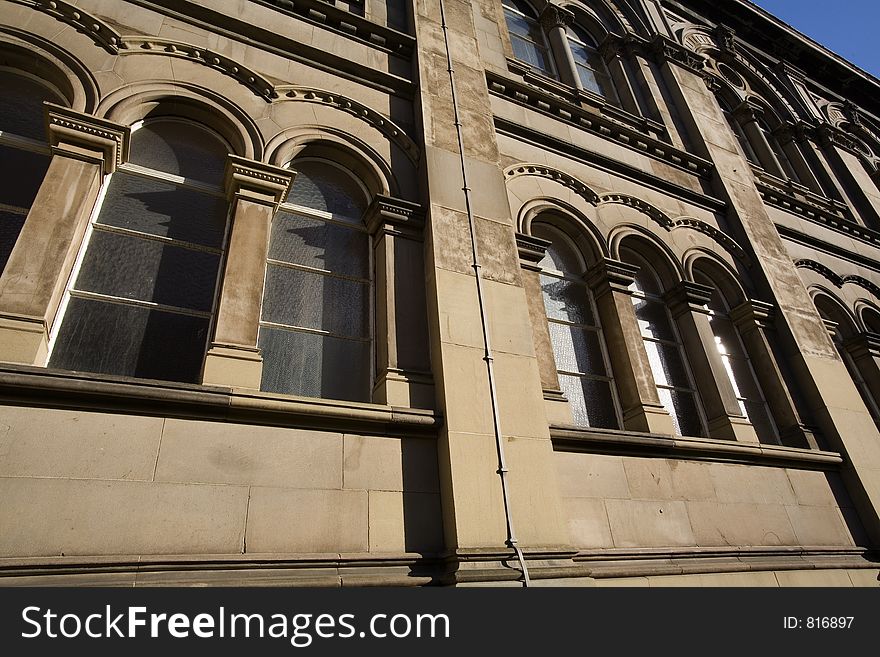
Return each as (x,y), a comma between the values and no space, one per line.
(667,365)
(653,319)
(312,365)
(322,186)
(311,300)
(591,402)
(21,106)
(683,408)
(314,243)
(163,208)
(147,270)
(128,340)
(21,174)
(181,148)
(576,349)
(759,416)
(10,227)
(566,301)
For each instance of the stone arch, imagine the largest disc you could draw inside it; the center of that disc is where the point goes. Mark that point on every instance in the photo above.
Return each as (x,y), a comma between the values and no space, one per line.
(583,232)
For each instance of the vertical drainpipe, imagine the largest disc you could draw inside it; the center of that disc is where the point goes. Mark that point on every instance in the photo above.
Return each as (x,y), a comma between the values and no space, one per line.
(487,345)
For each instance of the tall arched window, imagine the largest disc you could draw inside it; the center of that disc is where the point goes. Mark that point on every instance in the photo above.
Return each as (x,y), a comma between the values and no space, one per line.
(590,66)
(749,396)
(576,334)
(23,152)
(672,376)
(738,132)
(788,170)
(316,326)
(527,37)
(142,298)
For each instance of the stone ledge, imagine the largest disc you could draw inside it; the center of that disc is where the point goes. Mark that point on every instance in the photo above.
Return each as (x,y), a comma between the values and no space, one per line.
(598,441)
(36,386)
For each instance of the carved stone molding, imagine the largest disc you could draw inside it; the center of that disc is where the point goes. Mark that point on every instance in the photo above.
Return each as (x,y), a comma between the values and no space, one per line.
(752,314)
(689,297)
(610,275)
(101,33)
(86,137)
(531,249)
(256,181)
(555,16)
(561,177)
(394,216)
(724,240)
(665,49)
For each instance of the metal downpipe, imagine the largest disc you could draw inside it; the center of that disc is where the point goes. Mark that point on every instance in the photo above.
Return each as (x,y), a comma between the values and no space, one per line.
(487,345)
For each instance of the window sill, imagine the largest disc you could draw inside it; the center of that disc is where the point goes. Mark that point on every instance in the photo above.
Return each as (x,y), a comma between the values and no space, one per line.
(37,386)
(627,443)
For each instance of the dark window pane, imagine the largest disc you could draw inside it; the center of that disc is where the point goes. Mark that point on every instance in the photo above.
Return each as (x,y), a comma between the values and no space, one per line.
(127,340)
(10,227)
(576,349)
(21,106)
(312,300)
(322,186)
(760,418)
(318,244)
(312,365)
(591,402)
(181,148)
(653,319)
(683,408)
(566,301)
(21,174)
(667,365)
(147,270)
(165,209)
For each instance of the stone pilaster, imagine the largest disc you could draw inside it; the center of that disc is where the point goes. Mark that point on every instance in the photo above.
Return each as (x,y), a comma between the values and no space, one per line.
(84,150)
(255,190)
(642,410)
(554,19)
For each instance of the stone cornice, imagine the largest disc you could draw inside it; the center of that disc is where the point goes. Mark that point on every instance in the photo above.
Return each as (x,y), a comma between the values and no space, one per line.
(602,126)
(256,181)
(797,200)
(85,137)
(394,216)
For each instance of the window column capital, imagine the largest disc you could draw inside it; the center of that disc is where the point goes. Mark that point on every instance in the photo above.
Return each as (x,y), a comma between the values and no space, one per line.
(863,344)
(85,137)
(256,181)
(689,297)
(531,250)
(393,216)
(554,16)
(609,275)
(752,315)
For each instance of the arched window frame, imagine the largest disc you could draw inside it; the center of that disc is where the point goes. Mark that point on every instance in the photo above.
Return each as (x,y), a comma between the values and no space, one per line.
(527,37)
(580,285)
(216,190)
(368,281)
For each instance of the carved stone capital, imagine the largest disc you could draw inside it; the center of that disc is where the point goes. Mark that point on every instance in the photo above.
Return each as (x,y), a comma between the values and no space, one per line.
(689,297)
(747,112)
(256,181)
(725,37)
(751,315)
(851,111)
(394,216)
(862,345)
(665,49)
(531,250)
(555,16)
(86,137)
(609,275)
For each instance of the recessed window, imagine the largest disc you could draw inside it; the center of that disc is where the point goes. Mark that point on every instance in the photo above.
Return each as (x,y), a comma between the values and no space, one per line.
(316,324)
(527,37)
(590,66)
(143,295)
(24,152)
(576,334)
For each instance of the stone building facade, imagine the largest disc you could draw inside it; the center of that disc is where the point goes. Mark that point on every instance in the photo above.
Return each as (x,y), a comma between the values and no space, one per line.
(464,292)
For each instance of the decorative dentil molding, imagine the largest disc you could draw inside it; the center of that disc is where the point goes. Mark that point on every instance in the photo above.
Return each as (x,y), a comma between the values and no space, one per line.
(561,177)
(257,181)
(101,33)
(836,279)
(81,136)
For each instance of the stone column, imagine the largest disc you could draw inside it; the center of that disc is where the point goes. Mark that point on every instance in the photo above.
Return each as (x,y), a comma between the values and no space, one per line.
(612,52)
(786,135)
(403,376)
(554,19)
(753,320)
(84,150)
(688,303)
(747,116)
(255,190)
(642,410)
(531,251)
(846,424)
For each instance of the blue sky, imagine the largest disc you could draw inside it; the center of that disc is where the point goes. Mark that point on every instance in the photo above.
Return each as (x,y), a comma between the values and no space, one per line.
(848,27)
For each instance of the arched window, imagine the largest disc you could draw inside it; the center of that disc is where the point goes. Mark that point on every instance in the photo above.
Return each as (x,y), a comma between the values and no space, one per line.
(749,396)
(779,153)
(738,132)
(527,37)
(675,385)
(576,334)
(316,326)
(23,152)
(142,299)
(590,66)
